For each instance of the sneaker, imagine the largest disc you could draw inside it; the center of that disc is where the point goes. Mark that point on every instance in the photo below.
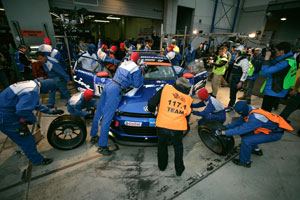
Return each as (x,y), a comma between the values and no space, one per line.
(178,173)
(104,151)
(257,152)
(228,109)
(239,163)
(94,140)
(242,98)
(46,161)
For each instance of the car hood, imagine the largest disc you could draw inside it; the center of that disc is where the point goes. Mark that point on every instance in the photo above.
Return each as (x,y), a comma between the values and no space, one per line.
(137,101)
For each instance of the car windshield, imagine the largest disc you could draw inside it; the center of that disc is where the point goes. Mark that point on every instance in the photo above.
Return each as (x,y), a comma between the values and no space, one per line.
(159,72)
(90,64)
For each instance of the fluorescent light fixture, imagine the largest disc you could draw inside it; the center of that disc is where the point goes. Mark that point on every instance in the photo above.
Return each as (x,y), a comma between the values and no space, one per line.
(283,18)
(35,46)
(90,16)
(111,17)
(252,35)
(55,15)
(2,9)
(195,31)
(101,21)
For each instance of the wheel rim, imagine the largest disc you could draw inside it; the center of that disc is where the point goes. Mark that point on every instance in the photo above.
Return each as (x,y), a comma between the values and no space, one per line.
(68,135)
(211,141)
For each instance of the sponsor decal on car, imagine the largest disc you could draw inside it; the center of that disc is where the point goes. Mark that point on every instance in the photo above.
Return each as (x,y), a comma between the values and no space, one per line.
(136,124)
(152,122)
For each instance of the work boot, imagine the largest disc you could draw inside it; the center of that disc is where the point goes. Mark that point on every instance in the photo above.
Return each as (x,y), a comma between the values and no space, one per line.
(94,140)
(257,152)
(46,161)
(104,151)
(178,173)
(242,98)
(239,163)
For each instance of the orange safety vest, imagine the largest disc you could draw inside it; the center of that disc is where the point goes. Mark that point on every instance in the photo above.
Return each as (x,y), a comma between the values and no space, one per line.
(173,108)
(110,66)
(272,117)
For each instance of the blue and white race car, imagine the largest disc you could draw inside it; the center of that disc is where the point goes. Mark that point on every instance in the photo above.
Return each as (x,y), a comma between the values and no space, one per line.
(133,123)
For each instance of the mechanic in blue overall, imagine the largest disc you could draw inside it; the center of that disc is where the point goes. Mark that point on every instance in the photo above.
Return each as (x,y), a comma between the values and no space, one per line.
(189,54)
(16,105)
(80,101)
(56,72)
(23,63)
(56,53)
(255,126)
(46,48)
(213,110)
(86,62)
(127,74)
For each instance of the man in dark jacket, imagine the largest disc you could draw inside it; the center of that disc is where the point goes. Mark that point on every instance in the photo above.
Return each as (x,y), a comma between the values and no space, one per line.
(174,105)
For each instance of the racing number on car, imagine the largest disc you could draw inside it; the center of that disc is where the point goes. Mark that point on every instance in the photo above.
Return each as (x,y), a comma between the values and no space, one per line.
(98,89)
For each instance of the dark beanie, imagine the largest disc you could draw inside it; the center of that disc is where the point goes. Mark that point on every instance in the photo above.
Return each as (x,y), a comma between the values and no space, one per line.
(242,108)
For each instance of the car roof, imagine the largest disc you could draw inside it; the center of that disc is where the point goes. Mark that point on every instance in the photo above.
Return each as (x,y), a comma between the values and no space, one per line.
(151,57)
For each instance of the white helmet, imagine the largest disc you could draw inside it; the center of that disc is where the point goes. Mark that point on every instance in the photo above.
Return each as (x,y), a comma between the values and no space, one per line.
(170,55)
(240,48)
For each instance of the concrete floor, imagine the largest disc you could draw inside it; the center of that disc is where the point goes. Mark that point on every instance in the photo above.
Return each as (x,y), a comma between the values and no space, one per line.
(132,172)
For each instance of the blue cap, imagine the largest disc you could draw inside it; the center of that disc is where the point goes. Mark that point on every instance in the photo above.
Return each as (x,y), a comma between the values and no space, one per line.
(47,85)
(242,108)
(91,49)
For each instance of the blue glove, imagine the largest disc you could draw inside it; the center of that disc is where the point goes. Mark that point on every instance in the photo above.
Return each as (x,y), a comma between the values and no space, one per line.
(218,132)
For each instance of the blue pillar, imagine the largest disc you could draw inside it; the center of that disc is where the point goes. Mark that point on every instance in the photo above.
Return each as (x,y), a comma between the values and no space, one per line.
(235,15)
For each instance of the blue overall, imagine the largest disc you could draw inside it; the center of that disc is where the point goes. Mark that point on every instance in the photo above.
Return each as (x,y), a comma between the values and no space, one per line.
(214,110)
(127,74)
(250,140)
(77,103)
(17,102)
(56,72)
(18,62)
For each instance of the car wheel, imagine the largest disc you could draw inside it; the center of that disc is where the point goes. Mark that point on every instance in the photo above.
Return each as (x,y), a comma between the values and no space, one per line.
(220,145)
(66,132)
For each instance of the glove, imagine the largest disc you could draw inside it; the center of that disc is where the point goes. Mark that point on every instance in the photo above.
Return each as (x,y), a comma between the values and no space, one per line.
(57,112)
(218,132)
(23,130)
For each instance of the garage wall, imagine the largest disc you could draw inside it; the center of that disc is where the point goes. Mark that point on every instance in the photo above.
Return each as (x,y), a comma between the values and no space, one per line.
(144,8)
(28,18)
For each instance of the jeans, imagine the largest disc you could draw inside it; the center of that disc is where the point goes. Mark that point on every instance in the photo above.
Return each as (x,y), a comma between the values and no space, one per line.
(292,105)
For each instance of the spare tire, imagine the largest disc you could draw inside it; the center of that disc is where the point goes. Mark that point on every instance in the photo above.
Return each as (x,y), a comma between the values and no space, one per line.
(66,132)
(220,145)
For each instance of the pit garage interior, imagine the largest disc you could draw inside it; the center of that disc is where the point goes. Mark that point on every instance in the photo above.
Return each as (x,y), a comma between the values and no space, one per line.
(132,172)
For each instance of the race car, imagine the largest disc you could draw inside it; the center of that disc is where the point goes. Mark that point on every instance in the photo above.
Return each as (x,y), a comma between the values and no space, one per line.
(133,124)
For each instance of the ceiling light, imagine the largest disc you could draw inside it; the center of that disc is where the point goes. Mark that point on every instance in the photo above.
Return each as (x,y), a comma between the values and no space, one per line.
(111,17)
(2,9)
(90,16)
(283,18)
(101,21)
(195,31)
(252,35)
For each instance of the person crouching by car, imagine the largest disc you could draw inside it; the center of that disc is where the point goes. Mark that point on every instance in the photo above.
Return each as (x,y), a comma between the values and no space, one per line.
(80,101)
(174,106)
(255,126)
(213,110)
(17,103)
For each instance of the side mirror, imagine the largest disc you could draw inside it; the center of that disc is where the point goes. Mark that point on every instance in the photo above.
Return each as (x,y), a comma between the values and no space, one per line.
(102,74)
(188,75)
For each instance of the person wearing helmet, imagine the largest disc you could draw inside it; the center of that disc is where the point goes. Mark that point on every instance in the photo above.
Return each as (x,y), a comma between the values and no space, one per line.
(80,101)
(46,47)
(255,126)
(213,108)
(89,58)
(111,62)
(127,74)
(239,75)
(17,103)
(173,103)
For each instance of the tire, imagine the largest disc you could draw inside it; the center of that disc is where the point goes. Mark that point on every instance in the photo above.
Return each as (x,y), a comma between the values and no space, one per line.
(221,145)
(66,132)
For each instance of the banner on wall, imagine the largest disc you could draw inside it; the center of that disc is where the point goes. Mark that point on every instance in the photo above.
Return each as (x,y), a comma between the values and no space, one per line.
(32,33)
